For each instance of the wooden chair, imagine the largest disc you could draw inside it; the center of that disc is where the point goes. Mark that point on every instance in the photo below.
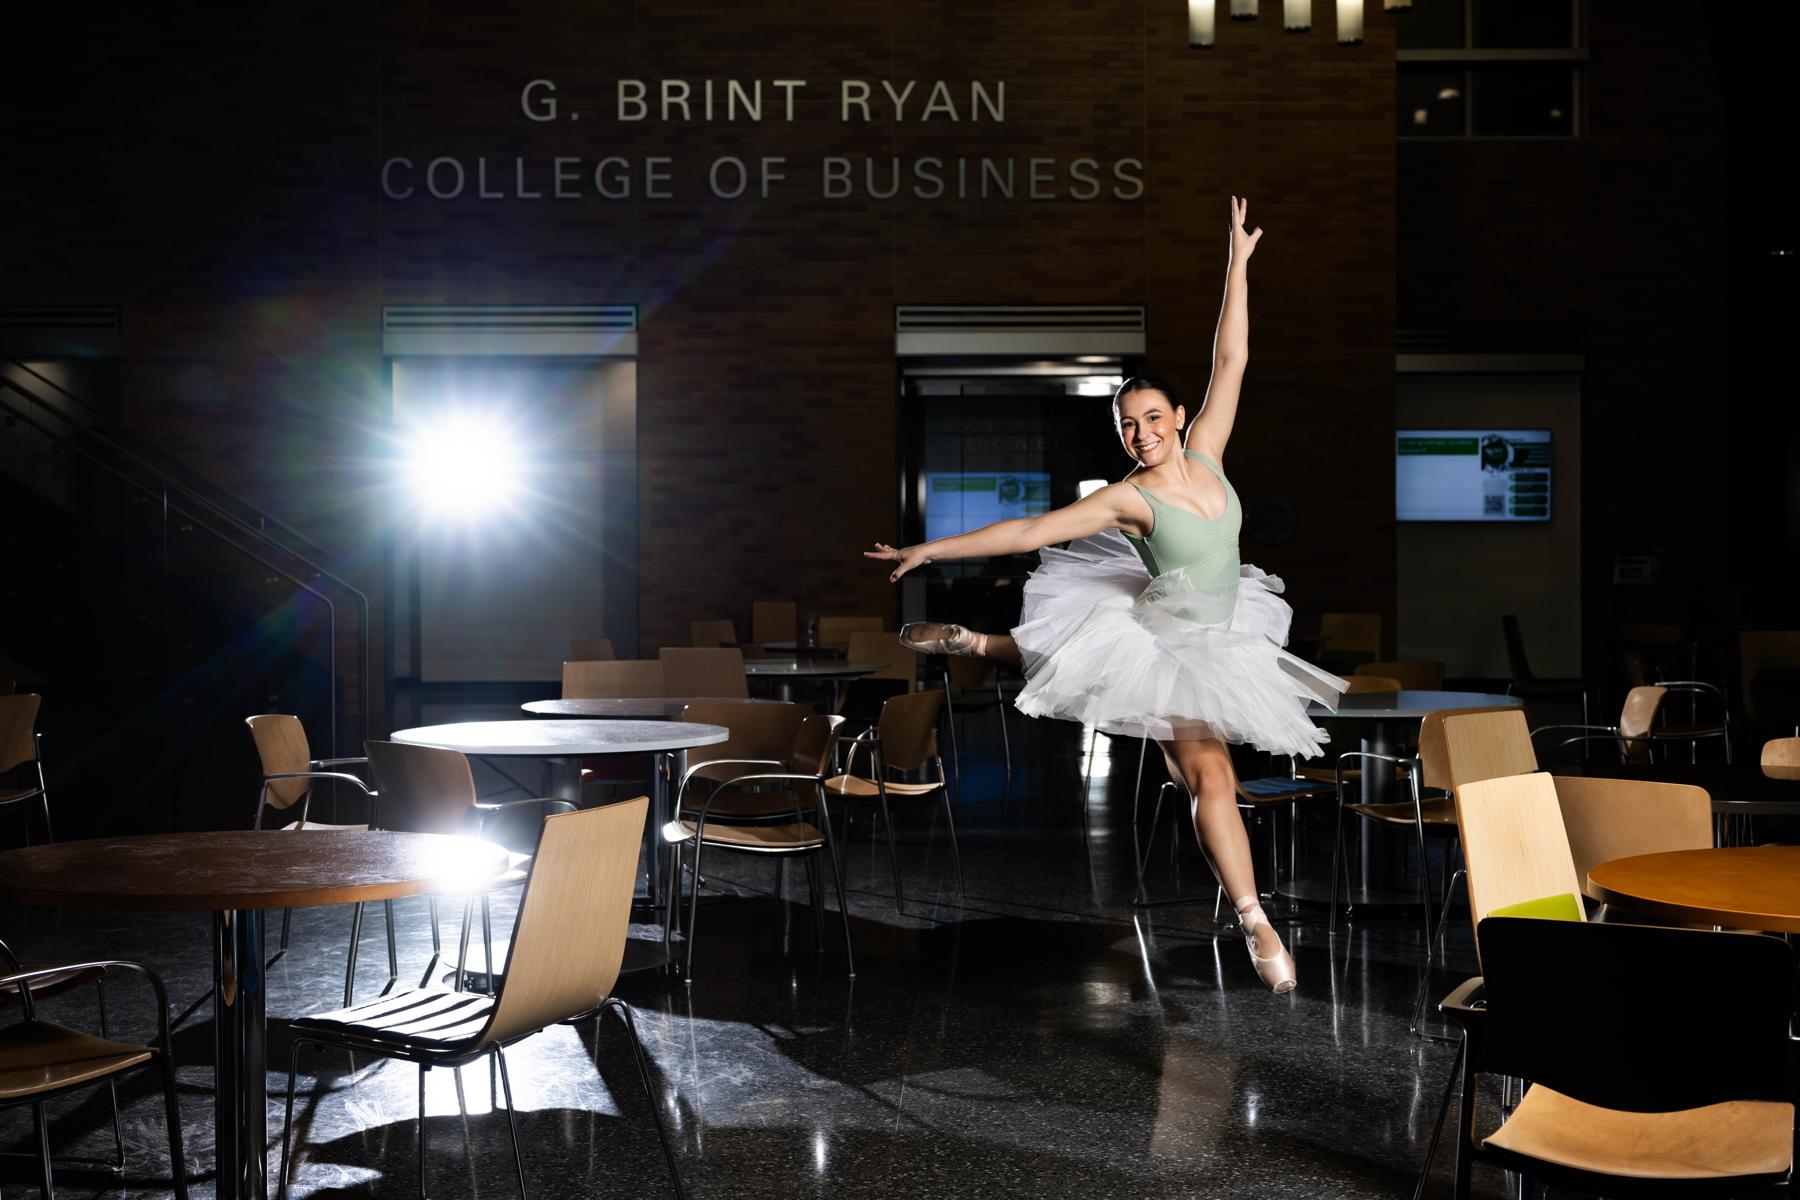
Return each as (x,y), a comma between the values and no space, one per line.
(763,734)
(975,683)
(1362,685)
(834,632)
(1514,843)
(591,650)
(904,739)
(1781,752)
(1685,1084)
(428,789)
(612,679)
(41,1060)
(774,621)
(1617,818)
(712,633)
(1641,728)
(1414,676)
(706,671)
(289,774)
(564,959)
(19,745)
(1346,640)
(792,822)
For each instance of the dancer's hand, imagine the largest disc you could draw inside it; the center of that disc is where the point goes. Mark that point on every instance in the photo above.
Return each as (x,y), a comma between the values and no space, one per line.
(1243,244)
(908,557)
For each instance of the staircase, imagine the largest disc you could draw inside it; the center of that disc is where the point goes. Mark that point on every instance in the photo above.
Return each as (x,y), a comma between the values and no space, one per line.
(155,610)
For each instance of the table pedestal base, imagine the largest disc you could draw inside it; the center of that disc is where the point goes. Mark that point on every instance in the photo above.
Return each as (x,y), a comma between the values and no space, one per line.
(240,1052)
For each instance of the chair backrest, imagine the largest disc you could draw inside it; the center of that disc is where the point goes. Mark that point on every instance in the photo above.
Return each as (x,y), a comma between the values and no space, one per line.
(570,937)
(1781,752)
(612,679)
(1487,744)
(424,789)
(812,746)
(704,671)
(836,631)
(712,633)
(1515,649)
(1514,844)
(908,729)
(1350,635)
(591,650)
(1637,718)
(1617,818)
(1434,756)
(1414,675)
(759,729)
(1764,648)
(281,744)
(774,621)
(1694,1017)
(1360,684)
(868,645)
(18,723)
(968,671)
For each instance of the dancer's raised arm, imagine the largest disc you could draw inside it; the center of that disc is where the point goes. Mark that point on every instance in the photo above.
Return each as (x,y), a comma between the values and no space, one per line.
(1116,506)
(1209,431)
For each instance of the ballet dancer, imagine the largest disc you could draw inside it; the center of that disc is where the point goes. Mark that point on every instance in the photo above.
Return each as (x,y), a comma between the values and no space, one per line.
(1146,624)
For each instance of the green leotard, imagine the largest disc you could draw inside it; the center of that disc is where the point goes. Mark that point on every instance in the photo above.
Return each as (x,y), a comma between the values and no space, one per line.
(1206,551)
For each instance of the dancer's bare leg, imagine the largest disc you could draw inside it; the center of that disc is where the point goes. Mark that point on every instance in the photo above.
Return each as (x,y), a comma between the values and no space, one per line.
(1204,768)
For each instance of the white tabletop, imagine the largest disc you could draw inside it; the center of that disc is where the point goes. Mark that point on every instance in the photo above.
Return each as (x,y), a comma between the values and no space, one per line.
(623,707)
(782,668)
(1402,705)
(563,739)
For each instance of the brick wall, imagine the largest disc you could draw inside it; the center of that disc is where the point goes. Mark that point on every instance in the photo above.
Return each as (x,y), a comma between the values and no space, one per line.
(220,184)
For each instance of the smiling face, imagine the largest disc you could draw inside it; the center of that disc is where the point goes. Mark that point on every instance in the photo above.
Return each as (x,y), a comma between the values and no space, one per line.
(1149,426)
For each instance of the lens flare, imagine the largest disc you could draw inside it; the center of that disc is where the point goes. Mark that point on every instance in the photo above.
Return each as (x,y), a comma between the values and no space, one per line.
(464,466)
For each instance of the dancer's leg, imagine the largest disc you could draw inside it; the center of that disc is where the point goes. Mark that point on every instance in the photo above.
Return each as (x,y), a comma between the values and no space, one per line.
(1204,768)
(931,637)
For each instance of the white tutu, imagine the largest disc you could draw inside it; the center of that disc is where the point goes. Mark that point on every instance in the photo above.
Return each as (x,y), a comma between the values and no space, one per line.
(1105,644)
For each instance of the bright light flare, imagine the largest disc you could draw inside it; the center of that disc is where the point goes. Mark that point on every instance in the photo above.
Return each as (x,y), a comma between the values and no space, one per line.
(464,465)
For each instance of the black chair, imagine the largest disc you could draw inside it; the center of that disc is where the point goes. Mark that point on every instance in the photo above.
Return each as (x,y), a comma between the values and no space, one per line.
(1632,1038)
(1529,687)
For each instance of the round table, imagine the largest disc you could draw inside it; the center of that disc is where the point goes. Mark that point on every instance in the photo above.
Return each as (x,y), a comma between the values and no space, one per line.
(626,708)
(1739,887)
(238,875)
(784,671)
(1382,718)
(562,745)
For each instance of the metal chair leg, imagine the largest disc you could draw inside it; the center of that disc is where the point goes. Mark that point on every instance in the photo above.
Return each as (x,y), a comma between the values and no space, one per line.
(1337,857)
(422,1070)
(512,1120)
(817,893)
(356,915)
(112,1081)
(693,921)
(887,819)
(43,1132)
(955,850)
(837,880)
(637,1050)
(1437,1129)
(287,1122)
(487,945)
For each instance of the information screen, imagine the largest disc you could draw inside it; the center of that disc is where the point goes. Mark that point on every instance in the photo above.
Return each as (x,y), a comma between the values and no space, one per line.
(958,501)
(1472,475)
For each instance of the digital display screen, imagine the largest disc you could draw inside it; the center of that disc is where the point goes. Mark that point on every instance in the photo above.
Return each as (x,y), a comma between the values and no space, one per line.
(958,501)
(1472,475)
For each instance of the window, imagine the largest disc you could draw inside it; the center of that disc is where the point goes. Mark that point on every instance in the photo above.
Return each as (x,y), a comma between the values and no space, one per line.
(1491,68)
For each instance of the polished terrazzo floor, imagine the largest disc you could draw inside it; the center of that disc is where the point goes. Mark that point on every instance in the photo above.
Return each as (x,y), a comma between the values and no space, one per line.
(1035,1036)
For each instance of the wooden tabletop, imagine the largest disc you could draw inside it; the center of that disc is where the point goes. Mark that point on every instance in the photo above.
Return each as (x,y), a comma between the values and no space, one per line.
(244,868)
(563,739)
(788,668)
(1745,887)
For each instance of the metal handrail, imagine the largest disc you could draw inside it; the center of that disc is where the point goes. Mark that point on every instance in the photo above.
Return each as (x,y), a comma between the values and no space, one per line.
(200,523)
(261,534)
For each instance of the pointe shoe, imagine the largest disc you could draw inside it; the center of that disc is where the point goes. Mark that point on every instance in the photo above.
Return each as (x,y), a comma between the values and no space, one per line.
(931,637)
(1277,970)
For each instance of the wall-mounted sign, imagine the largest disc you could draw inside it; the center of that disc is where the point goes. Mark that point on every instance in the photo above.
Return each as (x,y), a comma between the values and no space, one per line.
(635,102)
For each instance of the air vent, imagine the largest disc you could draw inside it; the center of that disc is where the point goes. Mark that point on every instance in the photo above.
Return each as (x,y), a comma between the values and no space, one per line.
(1490,348)
(535,330)
(59,331)
(934,329)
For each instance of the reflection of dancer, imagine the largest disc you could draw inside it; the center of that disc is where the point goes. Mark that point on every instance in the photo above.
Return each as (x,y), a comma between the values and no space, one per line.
(1146,624)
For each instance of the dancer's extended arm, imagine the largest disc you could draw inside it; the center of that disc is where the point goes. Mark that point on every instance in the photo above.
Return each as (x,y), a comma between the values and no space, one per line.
(1209,431)
(1116,506)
